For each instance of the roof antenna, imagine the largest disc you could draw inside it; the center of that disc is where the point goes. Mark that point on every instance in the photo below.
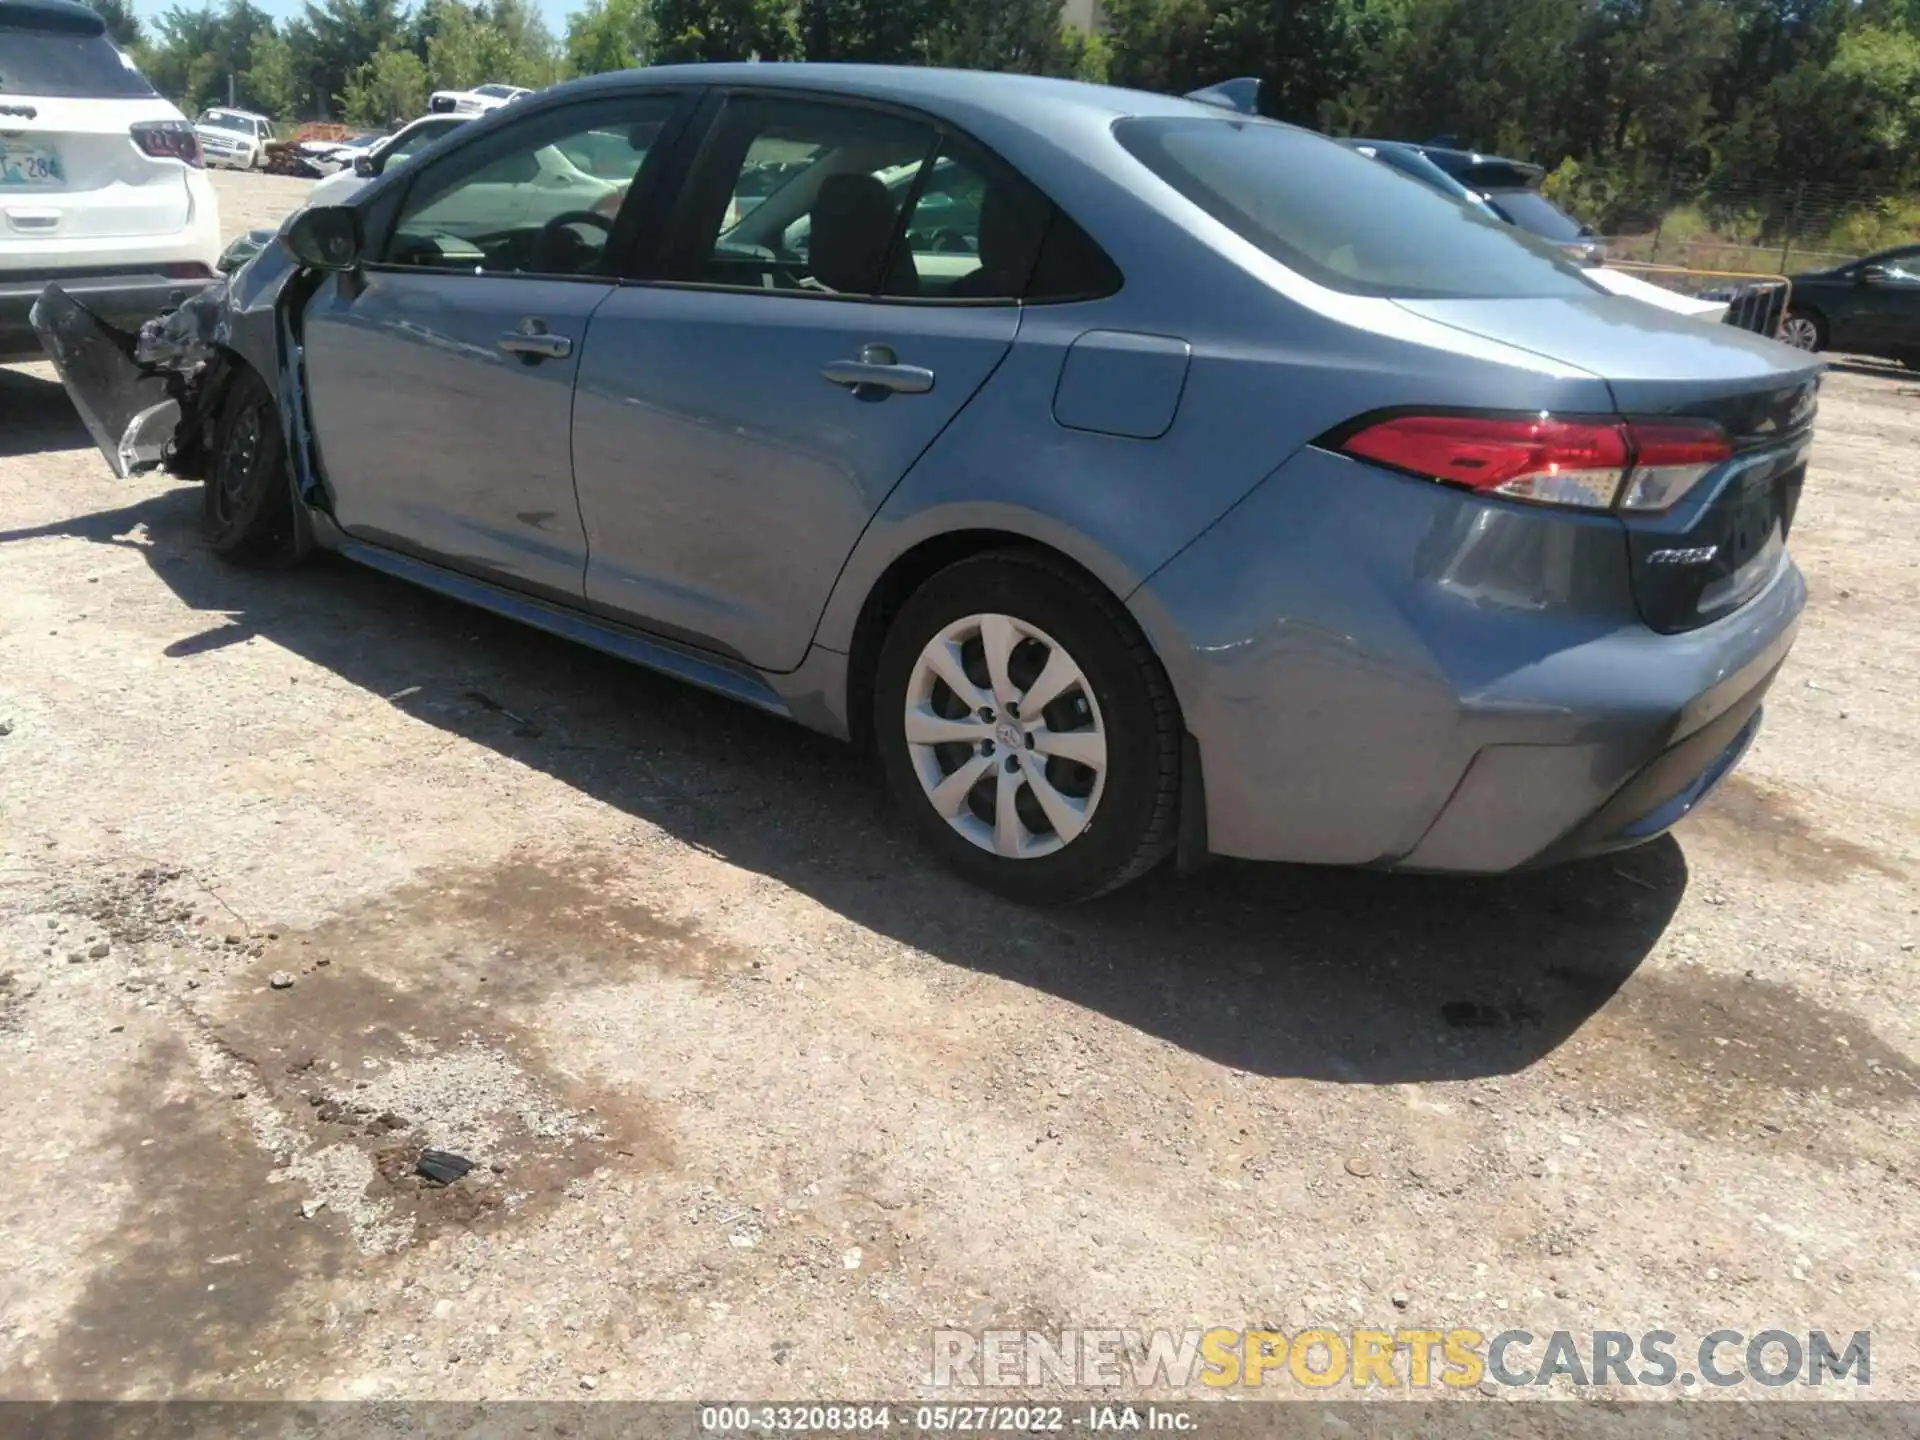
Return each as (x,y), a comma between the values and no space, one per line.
(1241,94)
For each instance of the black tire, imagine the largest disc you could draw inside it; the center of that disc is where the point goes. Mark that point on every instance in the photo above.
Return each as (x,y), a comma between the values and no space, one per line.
(1135,823)
(249,516)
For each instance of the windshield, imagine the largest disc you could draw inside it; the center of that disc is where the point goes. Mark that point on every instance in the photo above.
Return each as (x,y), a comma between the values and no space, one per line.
(418,138)
(1341,219)
(65,63)
(213,120)
(494,92)
(1531,210)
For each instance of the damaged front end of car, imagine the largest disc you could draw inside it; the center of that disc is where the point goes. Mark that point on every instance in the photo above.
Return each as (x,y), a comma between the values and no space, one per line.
(152,398)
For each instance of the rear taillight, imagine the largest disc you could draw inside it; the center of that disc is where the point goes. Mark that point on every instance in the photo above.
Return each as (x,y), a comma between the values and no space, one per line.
(1592,464)
(168,140)
(1669,457)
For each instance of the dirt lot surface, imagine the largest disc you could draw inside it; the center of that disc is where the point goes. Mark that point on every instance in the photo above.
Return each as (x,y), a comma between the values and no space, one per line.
(300,873)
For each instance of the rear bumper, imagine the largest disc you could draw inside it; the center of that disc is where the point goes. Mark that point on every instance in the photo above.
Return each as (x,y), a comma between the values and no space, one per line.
(1378,672)
(124,300)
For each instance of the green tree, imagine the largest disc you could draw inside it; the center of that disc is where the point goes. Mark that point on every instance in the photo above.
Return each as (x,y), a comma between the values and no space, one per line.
(197,53)
(531,56)
(391,86)
(271,81)
(608,35)
(687,30)
(1018,35)
(334,41)
(122,24)
(875,32)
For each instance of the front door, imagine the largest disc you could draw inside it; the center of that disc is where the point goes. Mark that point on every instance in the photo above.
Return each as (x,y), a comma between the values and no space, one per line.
(1887,318)
(736,427)
(440,376)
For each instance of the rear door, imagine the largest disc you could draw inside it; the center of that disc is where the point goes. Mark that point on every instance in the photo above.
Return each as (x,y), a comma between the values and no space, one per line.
(440,376)
(739,419)
(73,110)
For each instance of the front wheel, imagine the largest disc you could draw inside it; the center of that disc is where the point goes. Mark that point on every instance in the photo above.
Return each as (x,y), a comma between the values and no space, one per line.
(249,516)
(1028,730)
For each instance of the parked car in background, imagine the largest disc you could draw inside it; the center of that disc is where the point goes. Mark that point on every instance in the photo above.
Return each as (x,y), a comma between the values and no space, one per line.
(383,153)
(235,139)
(330,156)
(1865,307)
(1512,189)
(476,101)
(102,185)
(1232,495)
(1506,189)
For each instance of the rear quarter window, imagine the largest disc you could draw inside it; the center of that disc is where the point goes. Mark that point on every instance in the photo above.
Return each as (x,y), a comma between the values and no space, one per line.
(65,59)
(1340,219)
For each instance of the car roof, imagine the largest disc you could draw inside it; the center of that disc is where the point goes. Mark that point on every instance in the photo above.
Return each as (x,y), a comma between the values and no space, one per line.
(1018,96)
(52,15)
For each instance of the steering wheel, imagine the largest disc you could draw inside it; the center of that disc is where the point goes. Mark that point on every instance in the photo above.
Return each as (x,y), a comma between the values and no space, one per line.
(548,247)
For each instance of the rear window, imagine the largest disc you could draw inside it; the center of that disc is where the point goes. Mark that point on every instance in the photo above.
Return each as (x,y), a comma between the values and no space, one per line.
(1533,212)
(1341,219)
(64,58)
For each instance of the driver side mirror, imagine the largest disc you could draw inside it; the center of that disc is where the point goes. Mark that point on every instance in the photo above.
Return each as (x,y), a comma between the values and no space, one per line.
(1873,275)
(323,237)
(365,167)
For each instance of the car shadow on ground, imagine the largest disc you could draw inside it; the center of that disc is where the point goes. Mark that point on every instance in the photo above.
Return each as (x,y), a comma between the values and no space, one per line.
(1278,970)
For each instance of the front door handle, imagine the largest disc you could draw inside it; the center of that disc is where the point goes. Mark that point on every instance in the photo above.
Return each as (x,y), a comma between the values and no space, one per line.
(878,373)
(533,342)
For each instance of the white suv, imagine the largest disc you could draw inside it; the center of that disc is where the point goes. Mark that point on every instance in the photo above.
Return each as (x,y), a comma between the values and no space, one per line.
(101,181)
(237,138)
(476,101)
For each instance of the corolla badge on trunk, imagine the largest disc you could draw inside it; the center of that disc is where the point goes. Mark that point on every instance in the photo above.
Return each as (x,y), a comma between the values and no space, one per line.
(1695,555)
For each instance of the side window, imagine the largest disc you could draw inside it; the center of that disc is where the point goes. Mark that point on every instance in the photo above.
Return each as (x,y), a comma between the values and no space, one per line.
(1071,266)
(975,229)
(980,231)
(521,203)
(802,195)
(811,196)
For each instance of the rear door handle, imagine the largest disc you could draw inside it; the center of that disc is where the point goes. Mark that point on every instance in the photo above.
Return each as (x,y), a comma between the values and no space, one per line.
(878,372)
(533,341)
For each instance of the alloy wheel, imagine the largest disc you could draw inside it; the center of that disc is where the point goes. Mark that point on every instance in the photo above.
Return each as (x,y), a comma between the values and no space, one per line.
(1005,735)
(1800,332)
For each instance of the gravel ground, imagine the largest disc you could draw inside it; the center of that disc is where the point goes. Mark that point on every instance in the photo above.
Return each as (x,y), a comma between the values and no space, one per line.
(301,873)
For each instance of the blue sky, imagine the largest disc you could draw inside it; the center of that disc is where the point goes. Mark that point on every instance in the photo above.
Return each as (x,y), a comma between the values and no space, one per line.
(556,11)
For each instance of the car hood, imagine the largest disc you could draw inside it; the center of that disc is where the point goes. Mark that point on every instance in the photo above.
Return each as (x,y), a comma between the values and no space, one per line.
(1652,358)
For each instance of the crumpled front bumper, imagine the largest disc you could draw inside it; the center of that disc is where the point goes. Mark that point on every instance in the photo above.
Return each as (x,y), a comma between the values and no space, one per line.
(132,389)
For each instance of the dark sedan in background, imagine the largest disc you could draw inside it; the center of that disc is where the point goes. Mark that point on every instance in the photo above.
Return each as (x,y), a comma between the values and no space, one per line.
(1865,307)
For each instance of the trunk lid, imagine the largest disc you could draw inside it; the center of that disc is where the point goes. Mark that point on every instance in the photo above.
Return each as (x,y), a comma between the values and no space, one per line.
(72,172)
(1722,543)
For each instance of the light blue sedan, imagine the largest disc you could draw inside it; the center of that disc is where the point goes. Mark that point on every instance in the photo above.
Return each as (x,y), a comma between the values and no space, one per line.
(1135,477)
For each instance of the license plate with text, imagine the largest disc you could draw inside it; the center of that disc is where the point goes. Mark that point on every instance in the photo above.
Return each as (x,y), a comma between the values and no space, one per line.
(29,165)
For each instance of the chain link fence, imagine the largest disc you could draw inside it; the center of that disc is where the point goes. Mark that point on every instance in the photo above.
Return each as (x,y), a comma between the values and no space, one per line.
(1752,227)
